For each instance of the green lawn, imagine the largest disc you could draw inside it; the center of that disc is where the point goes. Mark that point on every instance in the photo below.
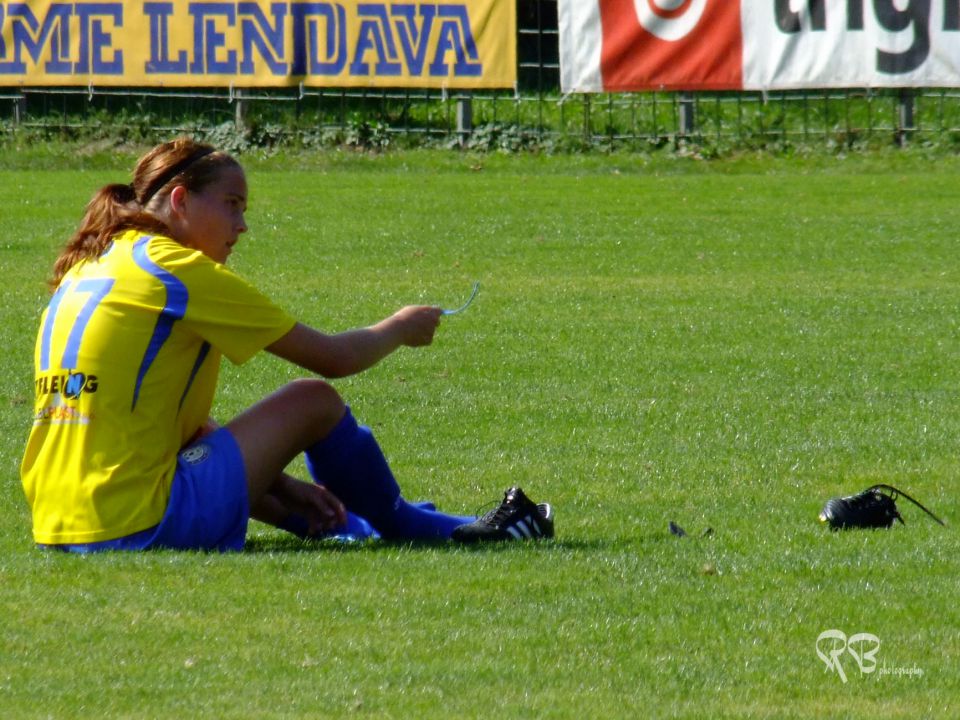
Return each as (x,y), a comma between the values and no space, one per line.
(725,345)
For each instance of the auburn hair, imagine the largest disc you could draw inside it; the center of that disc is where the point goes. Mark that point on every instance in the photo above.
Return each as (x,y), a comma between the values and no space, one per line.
(115,208)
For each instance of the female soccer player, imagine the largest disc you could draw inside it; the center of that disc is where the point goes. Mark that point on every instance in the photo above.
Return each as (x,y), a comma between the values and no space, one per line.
(122,454)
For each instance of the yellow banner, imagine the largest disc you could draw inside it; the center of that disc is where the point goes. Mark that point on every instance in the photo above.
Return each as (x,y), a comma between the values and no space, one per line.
(461,44)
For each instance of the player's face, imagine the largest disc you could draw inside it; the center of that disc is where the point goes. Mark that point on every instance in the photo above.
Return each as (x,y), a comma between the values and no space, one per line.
(213,216)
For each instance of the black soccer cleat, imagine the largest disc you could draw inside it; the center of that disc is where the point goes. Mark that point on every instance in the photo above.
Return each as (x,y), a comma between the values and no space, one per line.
(516,518)
(867,509)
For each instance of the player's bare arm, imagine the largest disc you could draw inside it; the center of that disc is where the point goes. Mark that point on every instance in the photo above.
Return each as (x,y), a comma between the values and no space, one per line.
(353,351)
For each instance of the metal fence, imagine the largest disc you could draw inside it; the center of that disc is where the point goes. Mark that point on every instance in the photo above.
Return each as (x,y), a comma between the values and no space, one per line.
(533,113)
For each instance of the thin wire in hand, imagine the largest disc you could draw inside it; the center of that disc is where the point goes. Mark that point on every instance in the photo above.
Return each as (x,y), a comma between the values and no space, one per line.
(476,289)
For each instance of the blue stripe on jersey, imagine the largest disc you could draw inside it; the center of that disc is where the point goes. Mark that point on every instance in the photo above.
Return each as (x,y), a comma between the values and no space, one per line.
(48,325)
(98,289)
(201,356)
(174,309)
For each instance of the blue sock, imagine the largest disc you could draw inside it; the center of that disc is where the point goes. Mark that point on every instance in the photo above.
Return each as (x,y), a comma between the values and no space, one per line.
(415,522)
(351,465)
(356,528)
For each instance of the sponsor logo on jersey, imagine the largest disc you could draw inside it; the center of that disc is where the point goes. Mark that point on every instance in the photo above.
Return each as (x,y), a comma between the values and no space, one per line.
(57,414)
(70,385)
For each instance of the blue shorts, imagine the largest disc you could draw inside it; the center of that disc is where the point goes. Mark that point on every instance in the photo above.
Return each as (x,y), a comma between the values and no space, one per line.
(208,507)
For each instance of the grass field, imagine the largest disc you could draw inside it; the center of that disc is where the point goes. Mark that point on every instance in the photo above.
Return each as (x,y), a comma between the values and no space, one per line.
(723,345)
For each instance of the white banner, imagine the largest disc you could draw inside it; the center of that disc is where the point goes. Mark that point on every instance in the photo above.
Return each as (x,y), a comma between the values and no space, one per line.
(624,45)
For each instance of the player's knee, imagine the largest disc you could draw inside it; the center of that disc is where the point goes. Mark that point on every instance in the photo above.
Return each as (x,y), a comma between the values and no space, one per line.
(318,399)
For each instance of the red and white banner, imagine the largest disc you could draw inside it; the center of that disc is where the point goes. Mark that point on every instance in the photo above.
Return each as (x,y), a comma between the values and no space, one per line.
(625,45)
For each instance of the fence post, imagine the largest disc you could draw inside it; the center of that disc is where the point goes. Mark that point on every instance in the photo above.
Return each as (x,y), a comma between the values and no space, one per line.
(19,109)
(240,111)
(587,130)
(464,119)
(905,125)
(688,119)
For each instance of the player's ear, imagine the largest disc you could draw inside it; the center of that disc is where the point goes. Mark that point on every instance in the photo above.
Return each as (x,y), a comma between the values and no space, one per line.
(178,199)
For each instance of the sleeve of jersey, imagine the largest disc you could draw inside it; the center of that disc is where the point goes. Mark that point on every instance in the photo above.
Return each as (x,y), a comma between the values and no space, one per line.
(226,310)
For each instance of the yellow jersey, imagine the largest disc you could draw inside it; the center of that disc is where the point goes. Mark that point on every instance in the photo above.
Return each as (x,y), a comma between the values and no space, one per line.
(126,364)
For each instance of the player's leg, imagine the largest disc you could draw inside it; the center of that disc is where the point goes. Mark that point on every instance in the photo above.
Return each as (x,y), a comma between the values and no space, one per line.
(309,415)
(349,462)
(272,509)
(279,427)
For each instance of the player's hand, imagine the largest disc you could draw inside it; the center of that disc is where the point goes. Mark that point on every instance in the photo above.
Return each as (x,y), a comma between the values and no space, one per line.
(416,324)
(318,505)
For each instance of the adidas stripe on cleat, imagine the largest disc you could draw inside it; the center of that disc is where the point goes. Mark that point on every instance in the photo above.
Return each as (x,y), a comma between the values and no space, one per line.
(516,518)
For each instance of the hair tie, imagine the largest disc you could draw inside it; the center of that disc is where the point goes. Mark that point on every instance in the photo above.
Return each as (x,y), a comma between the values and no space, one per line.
(170,174)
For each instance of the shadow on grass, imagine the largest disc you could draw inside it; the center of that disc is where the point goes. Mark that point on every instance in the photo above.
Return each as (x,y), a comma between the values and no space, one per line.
(279,544)
(283,544)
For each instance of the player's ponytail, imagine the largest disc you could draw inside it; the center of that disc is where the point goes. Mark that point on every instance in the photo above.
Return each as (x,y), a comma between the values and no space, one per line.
(112,209)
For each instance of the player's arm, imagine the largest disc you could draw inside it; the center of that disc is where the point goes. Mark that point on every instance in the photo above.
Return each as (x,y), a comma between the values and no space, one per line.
(354,351)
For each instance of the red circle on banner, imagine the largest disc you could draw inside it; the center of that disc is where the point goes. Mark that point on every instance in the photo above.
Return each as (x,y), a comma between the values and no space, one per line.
(668,14)
(707,57)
